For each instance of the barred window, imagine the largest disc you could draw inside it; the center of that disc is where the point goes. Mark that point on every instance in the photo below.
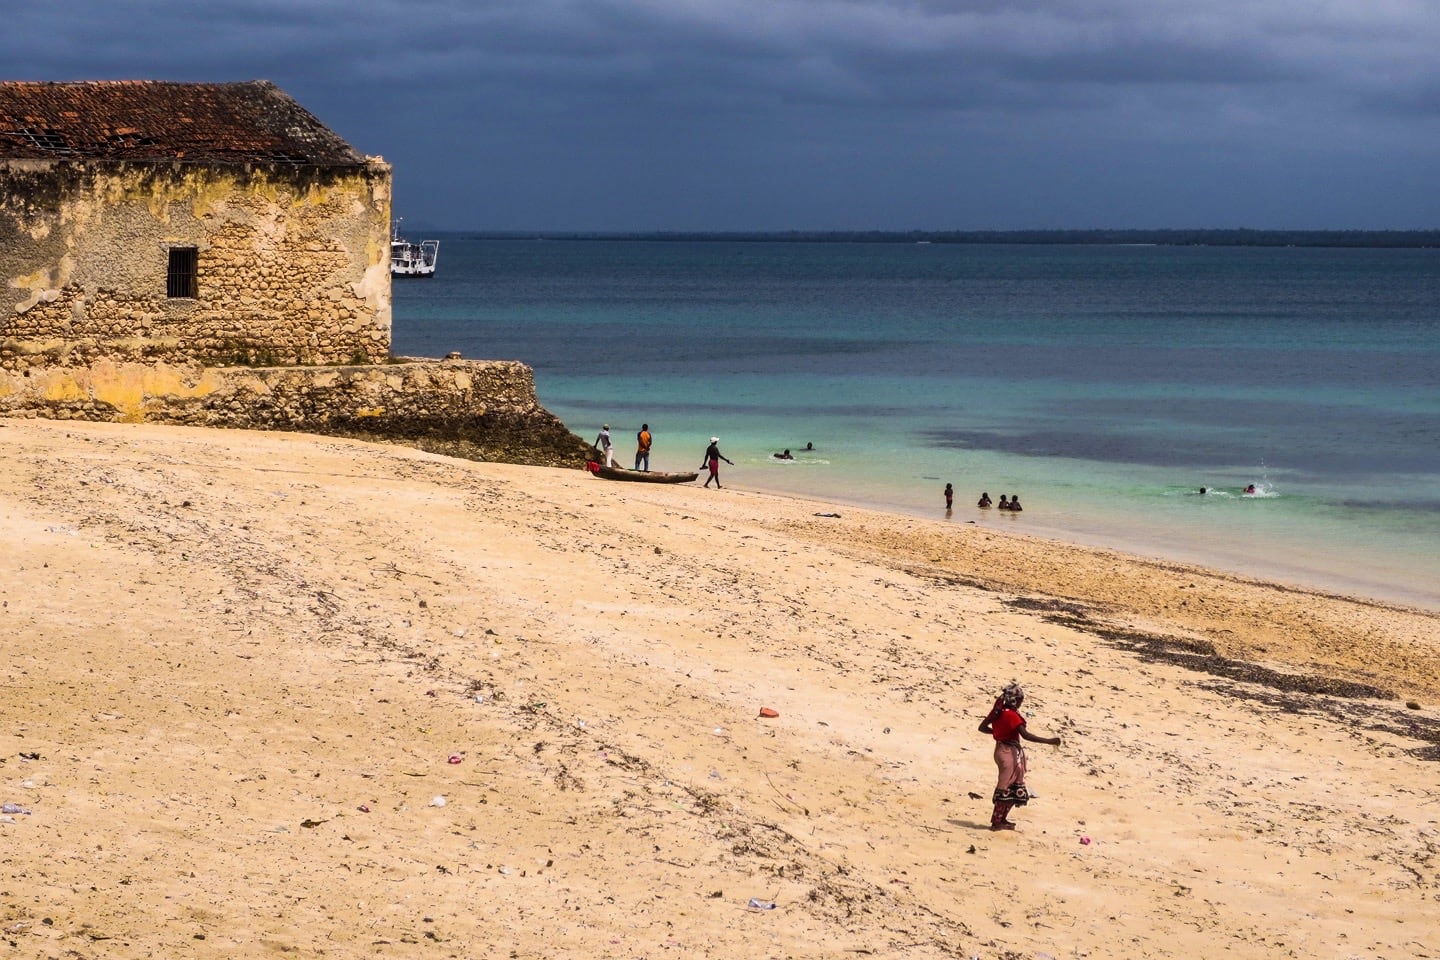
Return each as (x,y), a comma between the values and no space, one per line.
(183,279)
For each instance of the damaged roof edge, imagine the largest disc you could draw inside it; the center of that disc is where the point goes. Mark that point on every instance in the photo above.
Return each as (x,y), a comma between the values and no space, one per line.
(164,121)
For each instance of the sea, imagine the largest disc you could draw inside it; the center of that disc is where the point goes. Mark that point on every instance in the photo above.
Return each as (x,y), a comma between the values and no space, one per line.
(1105,385)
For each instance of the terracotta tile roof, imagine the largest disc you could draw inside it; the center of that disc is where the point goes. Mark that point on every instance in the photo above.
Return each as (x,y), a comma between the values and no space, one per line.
(152,121)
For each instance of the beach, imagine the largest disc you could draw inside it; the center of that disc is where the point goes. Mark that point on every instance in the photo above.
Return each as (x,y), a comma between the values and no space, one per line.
(276,694)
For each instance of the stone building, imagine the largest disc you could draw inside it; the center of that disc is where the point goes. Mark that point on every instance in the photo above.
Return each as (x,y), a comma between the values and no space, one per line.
(210,254)
(210,224)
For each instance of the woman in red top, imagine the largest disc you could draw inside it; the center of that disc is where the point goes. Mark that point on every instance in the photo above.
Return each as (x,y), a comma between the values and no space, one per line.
(1005,724)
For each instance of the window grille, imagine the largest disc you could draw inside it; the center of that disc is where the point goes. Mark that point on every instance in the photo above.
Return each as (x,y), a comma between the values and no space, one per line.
(183,279)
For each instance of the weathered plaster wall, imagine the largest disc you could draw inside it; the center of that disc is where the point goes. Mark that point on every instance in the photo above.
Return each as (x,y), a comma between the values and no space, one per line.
(293,264)
(290,329)
(480,409)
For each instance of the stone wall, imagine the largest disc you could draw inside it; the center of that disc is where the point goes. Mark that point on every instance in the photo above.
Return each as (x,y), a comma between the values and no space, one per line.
(478,409)
(293,264)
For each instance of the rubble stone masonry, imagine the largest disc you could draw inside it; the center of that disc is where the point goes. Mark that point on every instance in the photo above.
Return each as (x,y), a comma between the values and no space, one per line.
(286,325)
(478,409)
(292,263)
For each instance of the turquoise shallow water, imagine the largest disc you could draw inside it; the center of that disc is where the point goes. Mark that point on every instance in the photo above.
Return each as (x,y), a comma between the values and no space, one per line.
(1103,384)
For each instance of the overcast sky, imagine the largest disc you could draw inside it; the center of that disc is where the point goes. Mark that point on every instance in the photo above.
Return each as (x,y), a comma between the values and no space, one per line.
(824,114)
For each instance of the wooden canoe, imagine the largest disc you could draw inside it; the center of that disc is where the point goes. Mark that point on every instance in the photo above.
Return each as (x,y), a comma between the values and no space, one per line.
(643,476)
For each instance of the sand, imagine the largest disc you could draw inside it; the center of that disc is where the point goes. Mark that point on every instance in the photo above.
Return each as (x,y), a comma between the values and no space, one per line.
(271,694)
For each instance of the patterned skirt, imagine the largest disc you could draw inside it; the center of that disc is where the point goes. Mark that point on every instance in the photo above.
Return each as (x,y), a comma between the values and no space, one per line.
(1010,759)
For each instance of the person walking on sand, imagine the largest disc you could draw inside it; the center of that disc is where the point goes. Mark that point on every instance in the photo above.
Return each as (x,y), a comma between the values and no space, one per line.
(949,497)
(713,456)
(602,443)
(642,448)
(1007,726)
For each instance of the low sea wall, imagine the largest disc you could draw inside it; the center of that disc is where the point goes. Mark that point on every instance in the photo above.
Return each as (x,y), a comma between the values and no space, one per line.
(478,409)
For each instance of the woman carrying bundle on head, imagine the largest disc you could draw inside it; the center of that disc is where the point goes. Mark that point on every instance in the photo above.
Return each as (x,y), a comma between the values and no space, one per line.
(1007,726)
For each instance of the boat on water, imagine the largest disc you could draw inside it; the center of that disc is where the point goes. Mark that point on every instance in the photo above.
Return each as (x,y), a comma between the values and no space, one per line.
(641,476)
(412,259)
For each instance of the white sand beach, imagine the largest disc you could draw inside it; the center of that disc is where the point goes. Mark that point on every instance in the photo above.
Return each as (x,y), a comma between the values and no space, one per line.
(270,694)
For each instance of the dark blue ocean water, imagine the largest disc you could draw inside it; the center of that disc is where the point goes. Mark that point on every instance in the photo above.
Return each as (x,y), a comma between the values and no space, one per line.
(1104,383)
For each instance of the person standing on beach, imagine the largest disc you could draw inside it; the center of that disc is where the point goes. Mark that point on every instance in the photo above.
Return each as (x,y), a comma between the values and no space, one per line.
(602,443)
(713,456)
(642,448)
(1007,726)
(949,497)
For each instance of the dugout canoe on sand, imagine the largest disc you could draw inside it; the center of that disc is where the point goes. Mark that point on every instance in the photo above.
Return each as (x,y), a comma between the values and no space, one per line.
(641,476)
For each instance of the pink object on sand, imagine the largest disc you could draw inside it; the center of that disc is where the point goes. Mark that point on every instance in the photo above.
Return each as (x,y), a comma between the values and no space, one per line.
(455,758)
(1085,840)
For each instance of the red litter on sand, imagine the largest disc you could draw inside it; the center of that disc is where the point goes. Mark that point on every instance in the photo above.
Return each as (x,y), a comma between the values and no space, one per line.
(456,758)
(769,712)
(1085,841)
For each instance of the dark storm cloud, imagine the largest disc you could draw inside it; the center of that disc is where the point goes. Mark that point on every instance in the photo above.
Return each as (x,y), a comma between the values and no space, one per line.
(732,114)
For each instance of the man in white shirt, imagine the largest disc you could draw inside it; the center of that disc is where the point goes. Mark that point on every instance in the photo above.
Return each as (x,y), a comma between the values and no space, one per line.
(602,443)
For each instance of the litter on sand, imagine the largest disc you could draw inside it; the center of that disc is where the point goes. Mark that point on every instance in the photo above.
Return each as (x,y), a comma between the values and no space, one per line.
(757,904)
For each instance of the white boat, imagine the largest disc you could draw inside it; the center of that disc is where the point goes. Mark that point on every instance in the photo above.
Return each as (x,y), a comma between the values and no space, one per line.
(412,259)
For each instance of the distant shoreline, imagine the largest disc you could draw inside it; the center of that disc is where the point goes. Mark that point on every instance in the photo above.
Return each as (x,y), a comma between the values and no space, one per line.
(1375,239)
